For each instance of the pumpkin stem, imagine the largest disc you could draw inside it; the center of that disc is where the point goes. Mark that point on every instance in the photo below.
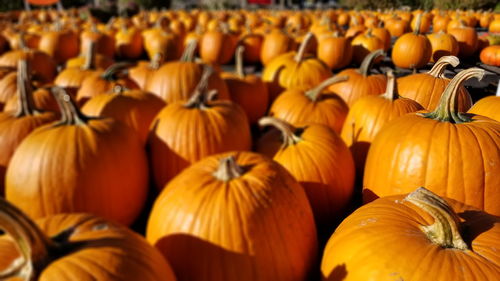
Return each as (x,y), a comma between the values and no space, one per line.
(90,55)
(368,61)
(417,23)
(445,231)
(22,42)
(32,243)
(25,97)
(288,132)
(391,91)
(314,93)
(498,89)
(228,169)
(446,110)
(188,54)
(239,61)
(70,114)
(438,68)
(201,95)
(113,72)
(156,61)
(299,57)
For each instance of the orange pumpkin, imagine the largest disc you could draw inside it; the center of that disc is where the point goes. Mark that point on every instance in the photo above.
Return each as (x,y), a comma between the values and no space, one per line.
(265,227)
(253,46)
(185,132)
(105,43)
(488,106)
(360,82)
(412,50)
(78,165)
(427,88)
(217,46)
(335,51)
(397,26)
(433,230)
(157,40)
(275,43)
(415,150)
(443,44)
(320,161)
(82,246)
(466,38)
(128,42)
(491,55)
(60,44)
(144,70)
(424,24)
(364,44)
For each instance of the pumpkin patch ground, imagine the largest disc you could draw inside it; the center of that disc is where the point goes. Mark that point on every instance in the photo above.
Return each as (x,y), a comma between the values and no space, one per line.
(224,141)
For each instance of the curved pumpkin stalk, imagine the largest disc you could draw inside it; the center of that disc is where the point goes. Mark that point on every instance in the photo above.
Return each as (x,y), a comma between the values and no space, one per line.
(445,231)
(188,54)
(239,61)
(391,92)
(418,22)
(25,97)
(157,61)
(446,110)
(368,61)
(438,68)
(201,94)
(228,169)
(299,57)
(314,94)
(70,114)
(112,72)
(90,56)
(286,129)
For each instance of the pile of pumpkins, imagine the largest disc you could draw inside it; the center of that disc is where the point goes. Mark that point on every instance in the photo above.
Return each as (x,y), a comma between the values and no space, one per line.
(239,175)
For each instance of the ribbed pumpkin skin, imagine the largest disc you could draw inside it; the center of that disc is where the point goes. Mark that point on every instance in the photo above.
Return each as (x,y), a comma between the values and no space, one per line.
(358,85)
(181,136)
(100,167)
(383,241)
(60,45)
(275,44)
(427,90)
(176,81)
(336,52)
(442,45)
(491,55)
(488,107)
(321,163)
(111,252)
(43,67)
(459,161)
(43,98)
(366,118)
(294,107)
(8,88)
(255,227)
(135,108)
(411,51)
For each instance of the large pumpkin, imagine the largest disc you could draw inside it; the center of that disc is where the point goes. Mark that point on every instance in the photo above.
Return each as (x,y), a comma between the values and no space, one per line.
(427,88)
(316,105)
(412,50)
(80,164)
(369,115)
(415,149)
(360,82)
(419,237)
(244,216)
(318,159)
(75,247)
(185,132)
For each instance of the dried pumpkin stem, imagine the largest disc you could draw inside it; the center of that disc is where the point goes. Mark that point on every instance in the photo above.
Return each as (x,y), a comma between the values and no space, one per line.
(418,23)
(299,57)
(288,132)
(201,94)
(438,68)
(22,42)
(445,231)
(156,61)
(391,91)
(368,61)
(32,243)
(25,96)
(228,169)
(239,61)
(188,54)
(315,93)
(70,114)
(113,72)
(90,56)
(446,110)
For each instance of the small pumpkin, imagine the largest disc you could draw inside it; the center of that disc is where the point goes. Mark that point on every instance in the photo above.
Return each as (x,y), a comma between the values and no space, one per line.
(275,43)
(466,38)
(144,70)
(105,42)
(412,50)
(252,42)
(429,229)
(128,42)
(443,44)
(218,46)
(61,44)
(488,106)
(335,51)
(158,40)
(82,246)
(364,44)
(265,227)
(491,55)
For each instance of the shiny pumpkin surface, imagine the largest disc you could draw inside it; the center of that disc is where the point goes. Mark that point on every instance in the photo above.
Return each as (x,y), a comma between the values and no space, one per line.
(487,107)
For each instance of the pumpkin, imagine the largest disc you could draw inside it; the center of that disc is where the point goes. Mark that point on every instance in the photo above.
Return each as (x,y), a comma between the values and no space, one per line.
(105,43)
(275,43)
(369,115)
(424,24)
(494,26)
(249,91)
(440,23)
(89,59)
(217,46)
(491,55)
(384,35)
(60,44)
(426,88)
(488,106)
(418,147)
(318,159)
(360,82)
(185,132)
(176,81)
(364,44)
(144,70)
(397,26)
(42,99)
(79,165)
(160,41)
(295,70)
(300,108)
(103,81)
(412,50)
(135,108)
(253,46)
(335,51)
(430,230)
(17,124)
(466,38)
(128,42)
(443,44)
(82,246)
(264,224)
(8,87)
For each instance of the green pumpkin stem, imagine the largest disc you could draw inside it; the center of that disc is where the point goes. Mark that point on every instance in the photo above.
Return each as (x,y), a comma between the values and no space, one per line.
(299,57)
(90,56)
(368,61)
(438,68)
(240,71)
(113,72)
(391,91)
(202,95)
(288,132)
(446,110)
(228,169)
(25,97)
(418,23)
(33,245)
(188,54)
(445,231)
(315,93)
(70,114)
